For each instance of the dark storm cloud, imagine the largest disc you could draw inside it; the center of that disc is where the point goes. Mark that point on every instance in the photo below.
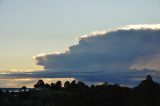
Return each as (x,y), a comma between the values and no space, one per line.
(131,47)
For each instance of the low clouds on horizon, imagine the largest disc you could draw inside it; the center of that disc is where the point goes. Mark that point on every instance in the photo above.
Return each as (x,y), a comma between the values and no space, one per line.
(133,47)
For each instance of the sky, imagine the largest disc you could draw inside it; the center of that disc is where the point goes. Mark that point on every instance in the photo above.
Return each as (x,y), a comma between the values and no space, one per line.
(33,29)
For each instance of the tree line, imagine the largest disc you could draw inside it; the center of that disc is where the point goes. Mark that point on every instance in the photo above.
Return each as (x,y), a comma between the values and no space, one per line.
(74,93)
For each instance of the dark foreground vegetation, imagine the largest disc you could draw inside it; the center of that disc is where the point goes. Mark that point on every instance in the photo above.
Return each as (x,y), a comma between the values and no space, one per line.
(147,93)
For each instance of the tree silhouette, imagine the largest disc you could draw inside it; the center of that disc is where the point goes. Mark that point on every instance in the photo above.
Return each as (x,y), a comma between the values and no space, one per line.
(67,85)
(24,88)
(82,86)
(148,83)
(47,85)
(57,85)
(53,85)
(39,84)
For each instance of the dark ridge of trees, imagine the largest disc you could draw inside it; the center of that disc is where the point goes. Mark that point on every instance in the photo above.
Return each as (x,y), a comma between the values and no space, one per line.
(74,93)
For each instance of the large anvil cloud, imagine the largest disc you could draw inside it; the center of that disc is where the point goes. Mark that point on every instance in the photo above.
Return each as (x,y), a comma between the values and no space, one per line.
(133,47)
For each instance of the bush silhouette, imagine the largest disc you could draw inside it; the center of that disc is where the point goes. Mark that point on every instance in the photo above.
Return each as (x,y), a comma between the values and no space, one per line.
(39,84)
